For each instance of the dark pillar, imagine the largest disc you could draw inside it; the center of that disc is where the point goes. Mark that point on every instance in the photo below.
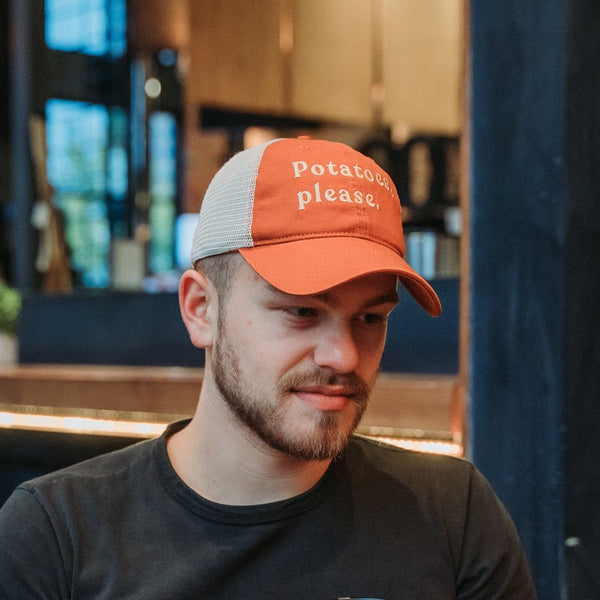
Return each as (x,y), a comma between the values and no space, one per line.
(582,361)
(518,216)
(20,108)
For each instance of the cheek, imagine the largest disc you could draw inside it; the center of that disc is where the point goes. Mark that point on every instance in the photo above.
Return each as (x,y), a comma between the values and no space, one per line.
(261,351)
(371,344)
(370,358)
(263,337)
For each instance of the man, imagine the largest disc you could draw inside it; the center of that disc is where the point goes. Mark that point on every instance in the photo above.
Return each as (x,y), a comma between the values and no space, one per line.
(265,493)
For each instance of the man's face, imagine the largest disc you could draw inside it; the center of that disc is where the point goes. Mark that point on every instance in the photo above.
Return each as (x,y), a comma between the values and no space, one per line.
(297,371)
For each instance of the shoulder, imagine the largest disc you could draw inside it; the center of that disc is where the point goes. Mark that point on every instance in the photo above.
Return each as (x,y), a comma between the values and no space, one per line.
(448,485)
(106,480)
(447,481)
(405,463)
(452,495)
(93,475)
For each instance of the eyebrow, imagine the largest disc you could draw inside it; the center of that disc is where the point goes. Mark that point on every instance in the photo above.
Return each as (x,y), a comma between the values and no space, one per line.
(391,298)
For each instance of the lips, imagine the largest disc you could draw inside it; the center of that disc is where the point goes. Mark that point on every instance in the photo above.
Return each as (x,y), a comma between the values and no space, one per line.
(334,398)
(326,391)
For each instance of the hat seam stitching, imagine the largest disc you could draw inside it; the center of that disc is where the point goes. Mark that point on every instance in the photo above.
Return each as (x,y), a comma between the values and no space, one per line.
(322,234)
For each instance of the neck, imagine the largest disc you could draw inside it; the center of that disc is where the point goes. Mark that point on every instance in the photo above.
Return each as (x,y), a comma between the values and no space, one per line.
(225,462)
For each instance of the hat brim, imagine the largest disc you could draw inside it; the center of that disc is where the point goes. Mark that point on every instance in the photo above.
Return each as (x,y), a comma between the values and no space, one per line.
(311,266)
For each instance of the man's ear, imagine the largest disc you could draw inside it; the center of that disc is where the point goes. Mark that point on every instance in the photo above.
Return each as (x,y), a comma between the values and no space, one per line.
(198,304)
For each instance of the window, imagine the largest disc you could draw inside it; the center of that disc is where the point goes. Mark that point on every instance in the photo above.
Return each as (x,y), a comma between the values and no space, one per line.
(95,27)
(163,181)
(87,168)
(112,148)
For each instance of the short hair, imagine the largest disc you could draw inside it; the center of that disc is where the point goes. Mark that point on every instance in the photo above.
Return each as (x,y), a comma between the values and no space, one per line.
(219,270)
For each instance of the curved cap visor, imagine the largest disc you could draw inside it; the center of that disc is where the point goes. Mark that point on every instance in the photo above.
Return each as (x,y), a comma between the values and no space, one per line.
(311,266)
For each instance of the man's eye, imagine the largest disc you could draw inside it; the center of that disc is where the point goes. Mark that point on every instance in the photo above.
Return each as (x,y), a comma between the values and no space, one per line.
(373,318)
(302,312)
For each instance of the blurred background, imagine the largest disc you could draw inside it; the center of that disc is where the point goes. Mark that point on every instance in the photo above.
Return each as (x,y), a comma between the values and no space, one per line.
(115,115)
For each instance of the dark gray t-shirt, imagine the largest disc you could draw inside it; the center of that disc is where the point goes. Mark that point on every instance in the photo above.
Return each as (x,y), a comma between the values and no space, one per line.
(382,523)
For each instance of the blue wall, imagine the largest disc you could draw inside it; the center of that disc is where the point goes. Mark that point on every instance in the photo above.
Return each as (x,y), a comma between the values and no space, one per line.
(146,329)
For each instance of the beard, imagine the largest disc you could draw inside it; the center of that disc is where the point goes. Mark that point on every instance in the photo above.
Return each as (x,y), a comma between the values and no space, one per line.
(268,414)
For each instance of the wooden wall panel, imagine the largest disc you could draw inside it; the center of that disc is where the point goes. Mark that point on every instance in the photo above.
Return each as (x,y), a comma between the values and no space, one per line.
(241,58)
(234,53)
(332,59)
(422,64)
(399,402)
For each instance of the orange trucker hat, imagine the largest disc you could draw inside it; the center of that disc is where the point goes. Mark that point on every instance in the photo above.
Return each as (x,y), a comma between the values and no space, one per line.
(308,215)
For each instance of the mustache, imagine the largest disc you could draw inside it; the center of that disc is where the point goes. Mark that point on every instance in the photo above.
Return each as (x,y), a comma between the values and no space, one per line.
(351,381)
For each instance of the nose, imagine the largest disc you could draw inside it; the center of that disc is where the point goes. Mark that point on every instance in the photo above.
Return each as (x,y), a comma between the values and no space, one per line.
(336,348)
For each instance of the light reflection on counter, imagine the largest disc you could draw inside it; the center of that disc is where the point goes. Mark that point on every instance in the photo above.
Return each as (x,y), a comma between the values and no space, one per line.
(93,422)
(424,445)
(146,425)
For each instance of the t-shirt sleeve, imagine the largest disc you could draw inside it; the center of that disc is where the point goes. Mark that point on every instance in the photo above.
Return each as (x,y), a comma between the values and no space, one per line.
(492,564)
(30,559)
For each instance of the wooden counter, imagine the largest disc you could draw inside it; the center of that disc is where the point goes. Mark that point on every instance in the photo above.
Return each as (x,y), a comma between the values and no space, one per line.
(401,405)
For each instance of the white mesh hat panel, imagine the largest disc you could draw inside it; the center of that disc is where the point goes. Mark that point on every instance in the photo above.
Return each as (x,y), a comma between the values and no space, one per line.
(225,219)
